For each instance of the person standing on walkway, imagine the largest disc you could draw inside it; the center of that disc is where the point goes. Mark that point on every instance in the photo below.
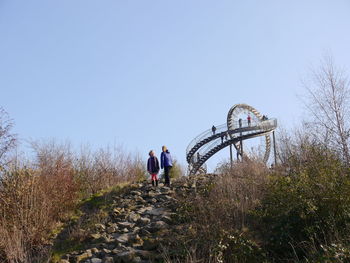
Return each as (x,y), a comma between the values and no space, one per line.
(240,123)
(153,167)
(213,129)
(249,119)
(166,163)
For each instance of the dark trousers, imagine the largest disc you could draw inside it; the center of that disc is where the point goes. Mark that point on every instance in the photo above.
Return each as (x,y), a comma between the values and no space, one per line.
(166,175)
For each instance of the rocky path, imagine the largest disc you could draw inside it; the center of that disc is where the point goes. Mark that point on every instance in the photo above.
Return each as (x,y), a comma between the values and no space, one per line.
(138,222)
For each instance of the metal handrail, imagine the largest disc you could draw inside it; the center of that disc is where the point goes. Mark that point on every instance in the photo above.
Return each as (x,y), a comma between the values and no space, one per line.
(202,151)
(204,135)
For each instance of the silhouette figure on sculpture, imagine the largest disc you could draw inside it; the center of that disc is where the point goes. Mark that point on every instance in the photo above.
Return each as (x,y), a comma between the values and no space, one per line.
(240,123)
(213,129)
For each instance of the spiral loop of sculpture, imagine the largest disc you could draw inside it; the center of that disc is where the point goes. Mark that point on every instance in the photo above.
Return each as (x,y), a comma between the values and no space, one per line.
(232,116)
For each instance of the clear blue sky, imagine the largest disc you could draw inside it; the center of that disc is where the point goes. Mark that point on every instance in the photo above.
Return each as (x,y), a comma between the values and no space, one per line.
(148,73)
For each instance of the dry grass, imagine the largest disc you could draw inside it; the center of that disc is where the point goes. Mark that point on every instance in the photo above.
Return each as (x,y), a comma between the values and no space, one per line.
(230,197)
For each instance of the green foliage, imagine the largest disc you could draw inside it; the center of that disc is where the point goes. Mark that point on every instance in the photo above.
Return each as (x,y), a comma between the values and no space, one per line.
(184,212)
(308,208)
(236,247)
(64,247)
(333,253)
(102,199)
(176,170)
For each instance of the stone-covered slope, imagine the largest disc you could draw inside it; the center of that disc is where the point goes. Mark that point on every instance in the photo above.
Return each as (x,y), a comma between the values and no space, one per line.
(138,224)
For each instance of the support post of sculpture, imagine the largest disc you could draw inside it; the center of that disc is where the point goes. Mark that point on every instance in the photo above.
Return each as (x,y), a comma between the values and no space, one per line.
(274,147)
(231,158)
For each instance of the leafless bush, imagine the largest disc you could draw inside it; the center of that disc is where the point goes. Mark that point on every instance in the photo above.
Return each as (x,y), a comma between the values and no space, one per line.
(290,143)
(93,170)
(38,195)
(33,199)
(31,204)
(106,167)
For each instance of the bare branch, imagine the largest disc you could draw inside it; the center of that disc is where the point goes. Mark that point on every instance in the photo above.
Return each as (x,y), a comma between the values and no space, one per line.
(7,139)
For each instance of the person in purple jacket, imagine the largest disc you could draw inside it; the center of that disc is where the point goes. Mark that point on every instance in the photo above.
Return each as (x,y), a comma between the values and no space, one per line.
(153,167)
(166,164)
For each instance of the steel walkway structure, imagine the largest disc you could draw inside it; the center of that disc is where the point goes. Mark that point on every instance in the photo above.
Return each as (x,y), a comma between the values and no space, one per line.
(234,132)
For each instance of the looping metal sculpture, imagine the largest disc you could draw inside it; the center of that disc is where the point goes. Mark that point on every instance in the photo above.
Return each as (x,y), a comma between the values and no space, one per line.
(234,132)
(232,118)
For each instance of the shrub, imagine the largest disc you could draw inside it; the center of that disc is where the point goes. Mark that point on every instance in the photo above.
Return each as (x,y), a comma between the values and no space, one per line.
(308,208)
(176,171)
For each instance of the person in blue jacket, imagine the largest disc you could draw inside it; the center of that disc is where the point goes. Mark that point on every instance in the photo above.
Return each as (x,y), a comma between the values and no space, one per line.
(166,164)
